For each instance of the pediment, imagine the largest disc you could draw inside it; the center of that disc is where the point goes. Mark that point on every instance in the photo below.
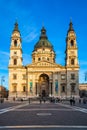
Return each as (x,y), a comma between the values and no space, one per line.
(44,63)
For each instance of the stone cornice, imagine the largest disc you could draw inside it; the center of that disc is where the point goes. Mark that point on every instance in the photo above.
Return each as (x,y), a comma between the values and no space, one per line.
(45,64)
(16,67)
(72,67)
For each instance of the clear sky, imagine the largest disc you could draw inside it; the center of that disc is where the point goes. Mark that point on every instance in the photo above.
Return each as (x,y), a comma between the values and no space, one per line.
(31,15)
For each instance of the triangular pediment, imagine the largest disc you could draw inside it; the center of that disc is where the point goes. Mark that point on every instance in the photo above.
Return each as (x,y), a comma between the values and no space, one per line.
(45,63)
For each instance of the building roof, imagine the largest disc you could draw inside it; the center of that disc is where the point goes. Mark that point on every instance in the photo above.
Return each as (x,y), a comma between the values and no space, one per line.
(16,27)
(70,27)
(43,41)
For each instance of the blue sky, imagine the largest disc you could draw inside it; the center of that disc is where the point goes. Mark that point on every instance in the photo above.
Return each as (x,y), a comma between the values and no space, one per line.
(31,15)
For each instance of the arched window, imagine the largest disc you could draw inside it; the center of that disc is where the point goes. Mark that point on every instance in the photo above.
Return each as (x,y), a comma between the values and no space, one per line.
(24,88)
(72,61)
(63,89)
(72,76)
(48,59)
(14,88)
(15,61)
(14,76)
(39,59)
(15,42)
(53,60)
(72,43)
(15,52)
(73,88)
(43,43)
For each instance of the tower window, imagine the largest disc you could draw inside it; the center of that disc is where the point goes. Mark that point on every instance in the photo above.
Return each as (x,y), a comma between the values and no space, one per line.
(15,52)
(72,43)
(73,76)
(73,88)
(63,89)
(24,88)
(15,61)
(15,42)
(48,59)
(14,76)
(33,59)
(24,76)
(14,88)
(72,61)
(43,43)
(53,60)
(39,59)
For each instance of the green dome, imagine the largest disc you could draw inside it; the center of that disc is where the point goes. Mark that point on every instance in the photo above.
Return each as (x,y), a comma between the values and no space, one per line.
(43,41)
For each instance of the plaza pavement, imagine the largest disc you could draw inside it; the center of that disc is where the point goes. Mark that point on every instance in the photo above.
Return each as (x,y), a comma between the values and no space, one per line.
(45,116)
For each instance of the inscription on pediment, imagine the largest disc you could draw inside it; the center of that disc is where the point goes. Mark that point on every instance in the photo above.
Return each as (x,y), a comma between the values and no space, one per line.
(43,64)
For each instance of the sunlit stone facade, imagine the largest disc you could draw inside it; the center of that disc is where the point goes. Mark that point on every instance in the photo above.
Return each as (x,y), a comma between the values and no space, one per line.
(43,77)
(83,89)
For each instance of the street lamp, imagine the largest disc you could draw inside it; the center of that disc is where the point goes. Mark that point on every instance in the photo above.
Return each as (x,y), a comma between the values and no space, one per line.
(2,80)
(26,77)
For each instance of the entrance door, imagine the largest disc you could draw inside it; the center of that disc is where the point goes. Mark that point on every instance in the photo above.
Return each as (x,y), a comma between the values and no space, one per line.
(43,93)
(44,85)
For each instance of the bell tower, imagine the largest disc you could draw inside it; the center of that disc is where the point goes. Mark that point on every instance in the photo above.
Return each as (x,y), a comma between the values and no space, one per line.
(15,64)
(15,48)
(71,48)
(71,63)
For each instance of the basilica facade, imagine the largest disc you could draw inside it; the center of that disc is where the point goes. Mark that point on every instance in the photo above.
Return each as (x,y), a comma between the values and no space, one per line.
(43,77)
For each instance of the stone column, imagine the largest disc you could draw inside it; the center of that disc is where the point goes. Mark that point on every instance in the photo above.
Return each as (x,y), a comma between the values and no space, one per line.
(36,88)
(53,85)
(50,89)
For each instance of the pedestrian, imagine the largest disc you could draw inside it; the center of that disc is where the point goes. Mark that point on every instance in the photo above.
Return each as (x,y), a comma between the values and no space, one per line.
(2,100)
(13,98)
(84,101)
(79,100)
(71,101)
(21,99)
(29,100)
(40,100)
(44,100)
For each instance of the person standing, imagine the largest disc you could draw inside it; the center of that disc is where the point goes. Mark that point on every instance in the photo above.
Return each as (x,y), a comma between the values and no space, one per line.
(29,100)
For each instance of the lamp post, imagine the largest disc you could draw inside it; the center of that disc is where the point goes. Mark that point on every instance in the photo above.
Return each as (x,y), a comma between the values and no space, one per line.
(26,77)
(2,80)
